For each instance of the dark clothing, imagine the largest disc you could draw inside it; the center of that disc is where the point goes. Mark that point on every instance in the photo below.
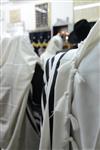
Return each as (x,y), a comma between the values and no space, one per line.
(34,112)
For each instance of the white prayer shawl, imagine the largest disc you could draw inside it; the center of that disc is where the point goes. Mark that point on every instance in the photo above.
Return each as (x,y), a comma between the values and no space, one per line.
(76,103)
(17,65)
(86,101)
(54,45)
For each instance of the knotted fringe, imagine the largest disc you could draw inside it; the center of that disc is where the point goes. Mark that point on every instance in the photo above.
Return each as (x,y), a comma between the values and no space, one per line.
(73,120)
(74,145)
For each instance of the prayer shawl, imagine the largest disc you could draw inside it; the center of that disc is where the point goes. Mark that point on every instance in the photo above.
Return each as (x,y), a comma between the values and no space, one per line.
(17,66)
(71,99)
(54,45)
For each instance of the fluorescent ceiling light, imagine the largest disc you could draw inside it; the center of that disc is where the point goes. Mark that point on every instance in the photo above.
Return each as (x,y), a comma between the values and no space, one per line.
(86,6)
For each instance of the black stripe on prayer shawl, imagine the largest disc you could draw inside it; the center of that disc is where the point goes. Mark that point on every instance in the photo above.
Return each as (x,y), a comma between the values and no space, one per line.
(44,98)
(52,60)
(47,77)
(42,107)
(47,70)
(51,100)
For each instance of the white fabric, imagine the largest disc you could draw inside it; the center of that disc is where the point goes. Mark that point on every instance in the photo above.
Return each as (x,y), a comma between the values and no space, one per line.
(54,45)
(59,118)
(77,98)
(86,101)
(17,65)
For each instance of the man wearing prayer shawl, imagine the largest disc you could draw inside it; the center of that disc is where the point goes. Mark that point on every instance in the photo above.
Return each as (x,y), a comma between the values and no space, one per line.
(17,67)
(71,99)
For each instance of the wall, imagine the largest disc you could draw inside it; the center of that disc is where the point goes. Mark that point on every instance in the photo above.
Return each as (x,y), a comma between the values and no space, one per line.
(62,9)
(59,9)
(89,10)
(91,14)
(27,13)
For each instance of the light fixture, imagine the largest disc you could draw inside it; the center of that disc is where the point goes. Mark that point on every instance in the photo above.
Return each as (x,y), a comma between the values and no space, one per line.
(40,10)
(86,6)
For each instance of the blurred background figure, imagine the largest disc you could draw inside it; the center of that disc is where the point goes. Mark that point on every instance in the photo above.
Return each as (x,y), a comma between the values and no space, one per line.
(55,45)
(79,33)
